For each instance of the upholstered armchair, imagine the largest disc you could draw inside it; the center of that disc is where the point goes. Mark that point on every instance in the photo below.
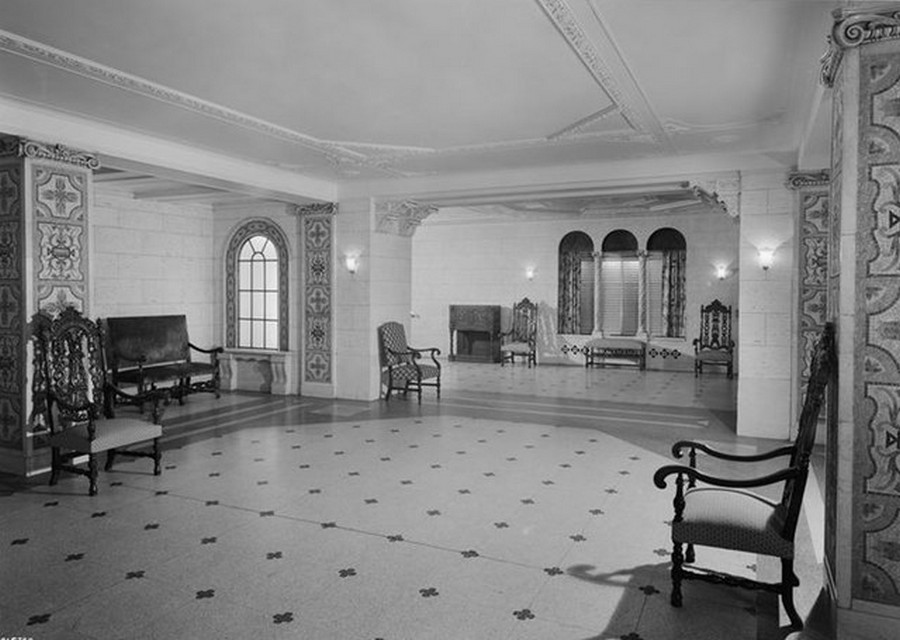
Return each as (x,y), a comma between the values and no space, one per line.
(402,366)
(74,402)
(726,512)
(714,346)
(521,339)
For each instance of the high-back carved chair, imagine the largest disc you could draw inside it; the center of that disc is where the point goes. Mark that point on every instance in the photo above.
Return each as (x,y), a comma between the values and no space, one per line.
(402,366)
(74,402)
(724,513)
(521,339)
(714,346)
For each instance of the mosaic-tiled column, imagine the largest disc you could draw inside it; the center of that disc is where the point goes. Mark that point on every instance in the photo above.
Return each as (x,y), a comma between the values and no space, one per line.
(863,530)
(812,242)
(45,194)
(318,275)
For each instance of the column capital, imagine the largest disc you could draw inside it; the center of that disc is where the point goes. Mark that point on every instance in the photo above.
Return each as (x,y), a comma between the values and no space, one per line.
(316,209)
(853,28)
(25,148)
(803,179)
(401,217)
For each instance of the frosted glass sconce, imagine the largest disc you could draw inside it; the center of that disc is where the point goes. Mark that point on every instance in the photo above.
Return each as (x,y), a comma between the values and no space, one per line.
(529,273)
(766,258)
(351,261)
(721,271)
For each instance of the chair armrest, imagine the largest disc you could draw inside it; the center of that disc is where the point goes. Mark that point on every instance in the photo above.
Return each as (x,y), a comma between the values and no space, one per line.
(659,478)
(434,351)
(756,457)
(154,396)
(201,350)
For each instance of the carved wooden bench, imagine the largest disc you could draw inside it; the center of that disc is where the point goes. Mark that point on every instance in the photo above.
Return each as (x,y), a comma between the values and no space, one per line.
(150,352)
(597,351)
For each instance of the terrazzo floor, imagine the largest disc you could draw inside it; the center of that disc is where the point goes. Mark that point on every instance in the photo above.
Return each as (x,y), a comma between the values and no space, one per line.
(520,505)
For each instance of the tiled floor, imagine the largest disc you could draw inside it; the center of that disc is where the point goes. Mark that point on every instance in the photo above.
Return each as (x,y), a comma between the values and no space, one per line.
(518,506)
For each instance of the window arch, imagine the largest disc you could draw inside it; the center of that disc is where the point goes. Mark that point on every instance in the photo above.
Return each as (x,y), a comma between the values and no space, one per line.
(256,296)
(576,284)
(666,262)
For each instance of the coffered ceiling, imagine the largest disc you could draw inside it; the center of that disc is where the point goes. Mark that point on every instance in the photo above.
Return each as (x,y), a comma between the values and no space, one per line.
(339,92)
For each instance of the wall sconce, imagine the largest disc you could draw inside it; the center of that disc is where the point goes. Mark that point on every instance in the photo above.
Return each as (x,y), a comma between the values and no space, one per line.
(766,258)
(529,273)
(351,261)
(721,271)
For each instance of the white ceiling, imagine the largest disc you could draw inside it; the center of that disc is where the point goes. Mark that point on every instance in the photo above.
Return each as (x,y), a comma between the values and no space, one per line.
(346,91)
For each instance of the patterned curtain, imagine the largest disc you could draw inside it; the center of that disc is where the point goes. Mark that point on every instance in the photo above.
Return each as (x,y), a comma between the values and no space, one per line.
(569,292)
(674,292)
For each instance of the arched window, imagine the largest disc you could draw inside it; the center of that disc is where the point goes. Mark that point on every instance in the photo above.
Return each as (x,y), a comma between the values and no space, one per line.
(666,260)
(619,273)
(576,283)
(257,287)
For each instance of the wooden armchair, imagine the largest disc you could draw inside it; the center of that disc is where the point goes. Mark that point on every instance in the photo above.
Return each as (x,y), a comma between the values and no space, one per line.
(714,346)
(74,402)
(402,368)
(725,514)
(521,339)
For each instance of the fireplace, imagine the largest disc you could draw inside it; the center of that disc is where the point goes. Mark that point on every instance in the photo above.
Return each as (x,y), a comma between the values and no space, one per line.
(474,333)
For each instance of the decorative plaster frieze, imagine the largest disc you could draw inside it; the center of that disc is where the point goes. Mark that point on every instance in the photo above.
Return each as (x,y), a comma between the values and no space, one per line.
(804,179)
(722,193)
(853,28)
(401,217)
(24,148)
(566,22)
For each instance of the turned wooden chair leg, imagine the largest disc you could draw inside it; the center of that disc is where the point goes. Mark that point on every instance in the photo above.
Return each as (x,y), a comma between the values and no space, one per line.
(92,474)
(157,457)
(54,465)
(689,553)
(110,456)
(677,561)
(789,580)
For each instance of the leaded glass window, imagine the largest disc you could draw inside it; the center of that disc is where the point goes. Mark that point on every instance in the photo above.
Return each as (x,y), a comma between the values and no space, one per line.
(258,304)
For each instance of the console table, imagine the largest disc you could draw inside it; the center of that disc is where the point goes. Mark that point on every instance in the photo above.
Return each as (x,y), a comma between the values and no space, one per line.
(474,333)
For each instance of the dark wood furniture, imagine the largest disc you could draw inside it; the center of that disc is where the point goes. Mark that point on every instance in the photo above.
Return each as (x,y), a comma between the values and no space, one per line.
(623,350)
(74,401)
(714,346)
(149,351)
(521,339)
(402,367)
(474,333)
(723,512)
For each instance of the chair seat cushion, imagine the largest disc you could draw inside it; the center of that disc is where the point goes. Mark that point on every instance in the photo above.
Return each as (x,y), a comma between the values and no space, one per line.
(407,372)
(111,433)
(517,347)
(732,519)
(714,355)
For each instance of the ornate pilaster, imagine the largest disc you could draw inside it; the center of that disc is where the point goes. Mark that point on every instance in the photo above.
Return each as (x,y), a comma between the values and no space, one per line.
(45,189)
(401,217)
(598,293)
(318,248)
(853,28)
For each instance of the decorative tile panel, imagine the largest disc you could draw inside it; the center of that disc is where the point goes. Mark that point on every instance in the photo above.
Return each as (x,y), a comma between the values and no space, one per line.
(60,199)
(318,240)
(876,575)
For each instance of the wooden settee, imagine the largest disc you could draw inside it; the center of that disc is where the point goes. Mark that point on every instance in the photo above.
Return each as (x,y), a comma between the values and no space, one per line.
(622,350)
(151,352)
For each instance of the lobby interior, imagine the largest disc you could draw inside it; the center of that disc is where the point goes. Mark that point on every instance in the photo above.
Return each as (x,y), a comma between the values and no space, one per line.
(403,162)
